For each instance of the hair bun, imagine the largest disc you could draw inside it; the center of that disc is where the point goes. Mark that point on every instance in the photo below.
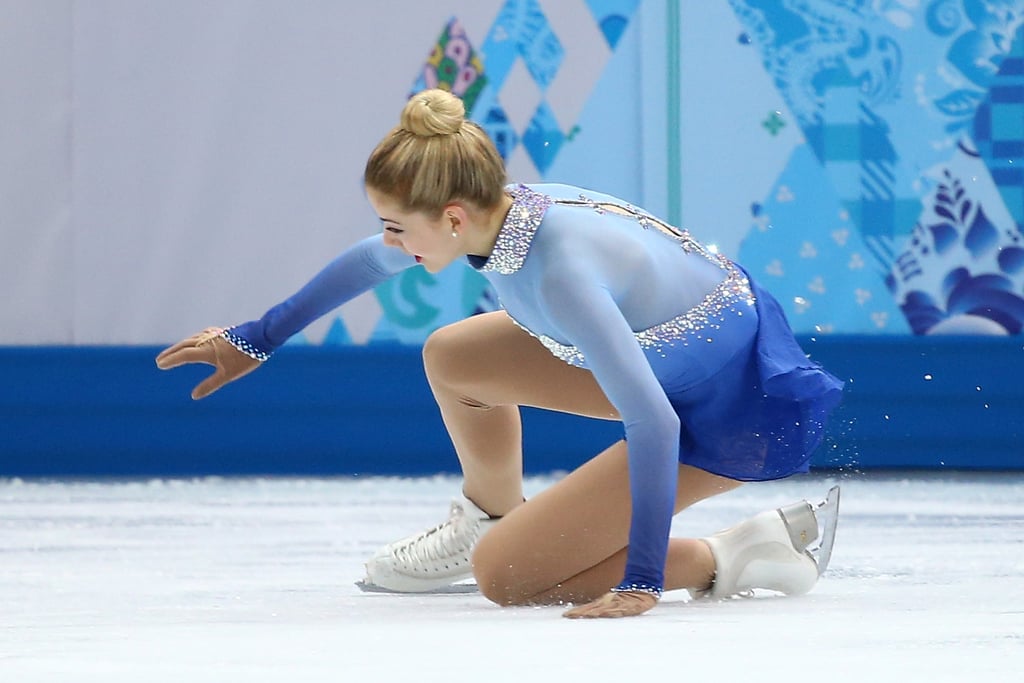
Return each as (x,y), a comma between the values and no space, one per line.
(433,112)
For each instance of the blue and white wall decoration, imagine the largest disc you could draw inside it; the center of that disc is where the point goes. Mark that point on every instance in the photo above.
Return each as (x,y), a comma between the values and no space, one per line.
(901,209)
(172,167)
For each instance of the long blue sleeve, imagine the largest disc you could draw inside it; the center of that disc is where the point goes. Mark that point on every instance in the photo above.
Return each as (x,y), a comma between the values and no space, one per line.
(586,314)
(356,270)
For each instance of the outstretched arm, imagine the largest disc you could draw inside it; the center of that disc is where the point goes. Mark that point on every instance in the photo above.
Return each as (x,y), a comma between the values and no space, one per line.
(358,269)
(239,350)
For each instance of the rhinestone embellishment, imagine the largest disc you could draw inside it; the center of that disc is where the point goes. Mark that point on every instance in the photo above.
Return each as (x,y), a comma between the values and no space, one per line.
(244,346)
(516,234)
(709,314)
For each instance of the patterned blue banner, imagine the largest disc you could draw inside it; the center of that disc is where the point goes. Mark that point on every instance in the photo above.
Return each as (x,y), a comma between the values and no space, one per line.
(895,99)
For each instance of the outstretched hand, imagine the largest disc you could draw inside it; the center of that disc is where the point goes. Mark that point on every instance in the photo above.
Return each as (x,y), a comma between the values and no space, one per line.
(613,605)
(210,348)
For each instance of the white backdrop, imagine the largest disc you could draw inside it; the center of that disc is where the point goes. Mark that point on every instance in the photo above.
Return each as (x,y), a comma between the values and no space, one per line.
(172,165)
(36,238)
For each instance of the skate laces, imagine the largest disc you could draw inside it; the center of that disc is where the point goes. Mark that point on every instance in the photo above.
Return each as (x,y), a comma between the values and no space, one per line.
(451,538)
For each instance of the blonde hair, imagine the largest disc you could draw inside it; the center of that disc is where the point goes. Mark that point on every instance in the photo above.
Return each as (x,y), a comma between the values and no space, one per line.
(435,156)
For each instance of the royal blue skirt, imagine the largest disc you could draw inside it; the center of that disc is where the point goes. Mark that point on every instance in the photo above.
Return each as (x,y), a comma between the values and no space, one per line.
(759,410)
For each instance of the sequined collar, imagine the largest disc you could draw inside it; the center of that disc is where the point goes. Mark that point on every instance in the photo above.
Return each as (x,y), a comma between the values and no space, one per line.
(516,234)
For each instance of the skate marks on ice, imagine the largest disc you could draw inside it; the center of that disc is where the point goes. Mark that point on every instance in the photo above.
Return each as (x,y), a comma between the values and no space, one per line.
(451,589)
(213,580)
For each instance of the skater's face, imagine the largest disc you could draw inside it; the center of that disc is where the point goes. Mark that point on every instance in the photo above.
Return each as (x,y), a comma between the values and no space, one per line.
(433,241)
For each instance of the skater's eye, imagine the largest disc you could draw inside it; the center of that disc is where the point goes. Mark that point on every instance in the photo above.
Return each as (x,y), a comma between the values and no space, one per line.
(391,225)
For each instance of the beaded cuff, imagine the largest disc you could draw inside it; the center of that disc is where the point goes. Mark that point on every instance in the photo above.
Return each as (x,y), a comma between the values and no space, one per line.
(244,346)
(638,587)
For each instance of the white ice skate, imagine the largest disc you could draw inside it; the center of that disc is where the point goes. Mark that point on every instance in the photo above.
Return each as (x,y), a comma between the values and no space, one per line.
(433,561)
(774,550)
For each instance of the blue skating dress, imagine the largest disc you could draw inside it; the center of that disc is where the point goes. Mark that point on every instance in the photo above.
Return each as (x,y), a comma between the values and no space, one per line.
(698,360)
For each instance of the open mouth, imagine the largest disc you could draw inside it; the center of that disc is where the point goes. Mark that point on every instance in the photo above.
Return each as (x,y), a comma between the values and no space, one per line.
(419,259)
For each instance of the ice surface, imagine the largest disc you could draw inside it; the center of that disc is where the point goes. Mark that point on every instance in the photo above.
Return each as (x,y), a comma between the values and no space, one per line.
(252,580)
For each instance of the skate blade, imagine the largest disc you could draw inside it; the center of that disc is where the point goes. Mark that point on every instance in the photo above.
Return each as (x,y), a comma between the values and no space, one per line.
(450,589)
(827,514)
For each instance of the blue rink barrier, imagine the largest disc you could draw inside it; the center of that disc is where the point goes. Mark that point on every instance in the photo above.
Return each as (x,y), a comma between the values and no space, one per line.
(911,402)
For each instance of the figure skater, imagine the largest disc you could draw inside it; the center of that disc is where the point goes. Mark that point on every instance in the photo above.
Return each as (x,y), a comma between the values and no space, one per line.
(607,312)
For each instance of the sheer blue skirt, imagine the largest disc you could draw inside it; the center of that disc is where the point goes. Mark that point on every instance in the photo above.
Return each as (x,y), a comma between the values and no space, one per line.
(757,409)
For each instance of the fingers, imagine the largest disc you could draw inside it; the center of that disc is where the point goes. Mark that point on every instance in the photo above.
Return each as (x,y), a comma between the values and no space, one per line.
(210,384)
(190,354)
(191,350)
(211,348)
(614,605)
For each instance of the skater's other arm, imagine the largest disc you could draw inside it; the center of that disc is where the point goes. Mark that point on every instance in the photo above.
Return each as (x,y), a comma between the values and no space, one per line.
(582,307)
(356,270)
(239,350)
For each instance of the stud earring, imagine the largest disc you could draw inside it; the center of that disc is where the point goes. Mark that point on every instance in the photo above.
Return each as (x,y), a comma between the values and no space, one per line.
(454,234)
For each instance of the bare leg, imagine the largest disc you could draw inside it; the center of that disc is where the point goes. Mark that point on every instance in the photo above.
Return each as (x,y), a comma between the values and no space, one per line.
(481,370)
(568,544)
